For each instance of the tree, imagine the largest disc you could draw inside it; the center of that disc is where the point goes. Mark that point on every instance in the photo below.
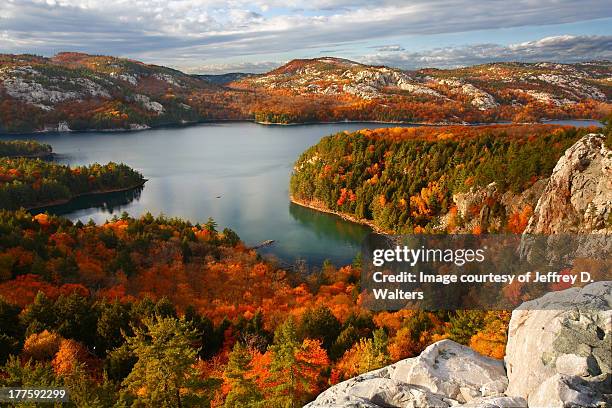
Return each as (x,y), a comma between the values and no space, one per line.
(295,367)
(69,356)
(364,356)
(42,346)
(243,391)
(164,369)
(10,329)
(464,324)
(114,319)
(492,338)
(320,324)
(33,374)
(39,315)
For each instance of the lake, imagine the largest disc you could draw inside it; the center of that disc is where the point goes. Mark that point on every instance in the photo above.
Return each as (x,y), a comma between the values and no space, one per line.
(235,172)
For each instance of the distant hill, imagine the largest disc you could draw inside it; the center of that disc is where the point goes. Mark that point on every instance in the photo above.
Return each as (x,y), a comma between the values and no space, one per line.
(75,91)
(509,91)
(223,79)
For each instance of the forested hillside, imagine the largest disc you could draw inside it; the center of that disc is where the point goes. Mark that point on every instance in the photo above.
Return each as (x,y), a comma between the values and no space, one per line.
(335,89)
(79,91)
(32,182)
(74,91)
(100,309)
(412,179)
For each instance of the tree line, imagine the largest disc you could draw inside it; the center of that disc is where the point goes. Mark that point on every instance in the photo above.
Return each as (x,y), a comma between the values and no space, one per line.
(28,182)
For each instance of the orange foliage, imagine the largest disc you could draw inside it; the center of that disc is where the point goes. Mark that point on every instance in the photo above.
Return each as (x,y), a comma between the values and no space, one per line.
(42,346)
(68,356)
(518,220)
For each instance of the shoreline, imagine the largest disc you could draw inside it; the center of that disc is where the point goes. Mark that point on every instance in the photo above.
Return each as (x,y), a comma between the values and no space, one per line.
(42,156)
(89,193)
(344,216)
(192,123)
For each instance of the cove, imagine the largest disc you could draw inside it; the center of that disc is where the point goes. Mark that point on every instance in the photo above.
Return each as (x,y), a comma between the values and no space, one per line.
(235,172)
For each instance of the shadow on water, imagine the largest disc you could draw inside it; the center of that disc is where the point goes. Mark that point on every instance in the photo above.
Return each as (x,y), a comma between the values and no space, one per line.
(329,226)
(107,202)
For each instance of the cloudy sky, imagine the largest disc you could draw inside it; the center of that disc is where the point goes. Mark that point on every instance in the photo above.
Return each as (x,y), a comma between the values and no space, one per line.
(213,36)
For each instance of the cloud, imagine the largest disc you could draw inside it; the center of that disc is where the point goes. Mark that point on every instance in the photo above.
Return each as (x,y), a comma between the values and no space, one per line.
(564,48)
(250,67)
(179,32)
(389,48)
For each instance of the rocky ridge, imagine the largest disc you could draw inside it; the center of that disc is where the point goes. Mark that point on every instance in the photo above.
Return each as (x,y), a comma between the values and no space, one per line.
(578,196)
(555,84)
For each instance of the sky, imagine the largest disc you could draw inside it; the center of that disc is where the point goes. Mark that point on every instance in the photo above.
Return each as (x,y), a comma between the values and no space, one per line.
(213,36)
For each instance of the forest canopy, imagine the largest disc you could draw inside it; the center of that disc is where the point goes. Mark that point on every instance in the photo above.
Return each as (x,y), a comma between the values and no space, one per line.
(104,309)
(30,183)
(405,179)
(21,148)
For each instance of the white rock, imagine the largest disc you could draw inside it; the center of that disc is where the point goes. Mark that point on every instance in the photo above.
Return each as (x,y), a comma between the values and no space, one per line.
(63,127)
(578,197)
(376,392)
(564,391)
(481,99)
(146,102)
(571,364)
(496,402)
(453,370)
(577,321)
(446,373)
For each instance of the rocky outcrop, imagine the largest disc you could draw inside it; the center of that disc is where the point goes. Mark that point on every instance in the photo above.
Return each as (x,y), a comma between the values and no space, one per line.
(558,355)
(445,374)
(578,196)
(481,198)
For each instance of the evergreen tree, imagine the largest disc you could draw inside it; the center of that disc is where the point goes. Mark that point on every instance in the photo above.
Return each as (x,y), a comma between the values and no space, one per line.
(165,356)
(320,323)
(243,390)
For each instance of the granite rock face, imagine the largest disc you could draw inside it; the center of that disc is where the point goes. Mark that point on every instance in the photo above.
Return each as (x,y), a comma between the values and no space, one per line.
(567,347)
(578,196)
(445,374)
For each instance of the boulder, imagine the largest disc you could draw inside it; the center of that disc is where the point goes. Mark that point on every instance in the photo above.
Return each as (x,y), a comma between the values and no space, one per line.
(455,371)
(569,391)
(376,389)
(444,374)
(496,402)
(562,335)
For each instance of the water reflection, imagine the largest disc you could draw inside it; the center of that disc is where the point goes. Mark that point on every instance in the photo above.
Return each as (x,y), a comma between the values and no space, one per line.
(111,203)
(328,226)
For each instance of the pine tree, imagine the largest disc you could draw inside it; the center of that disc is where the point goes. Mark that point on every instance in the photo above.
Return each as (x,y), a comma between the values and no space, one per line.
(164,369)
(243,390)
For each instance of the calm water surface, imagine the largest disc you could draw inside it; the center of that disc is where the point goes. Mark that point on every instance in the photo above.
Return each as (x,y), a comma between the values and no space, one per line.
(236,172)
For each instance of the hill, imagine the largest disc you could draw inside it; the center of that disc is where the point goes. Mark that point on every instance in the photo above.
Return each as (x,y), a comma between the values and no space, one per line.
(75,91)
(453,178)
(338,89)
(79,91)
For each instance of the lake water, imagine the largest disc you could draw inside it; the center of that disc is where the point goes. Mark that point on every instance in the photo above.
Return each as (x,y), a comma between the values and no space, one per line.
(235,172)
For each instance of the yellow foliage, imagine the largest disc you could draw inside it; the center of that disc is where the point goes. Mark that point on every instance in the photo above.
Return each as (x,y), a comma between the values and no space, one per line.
(42,346)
